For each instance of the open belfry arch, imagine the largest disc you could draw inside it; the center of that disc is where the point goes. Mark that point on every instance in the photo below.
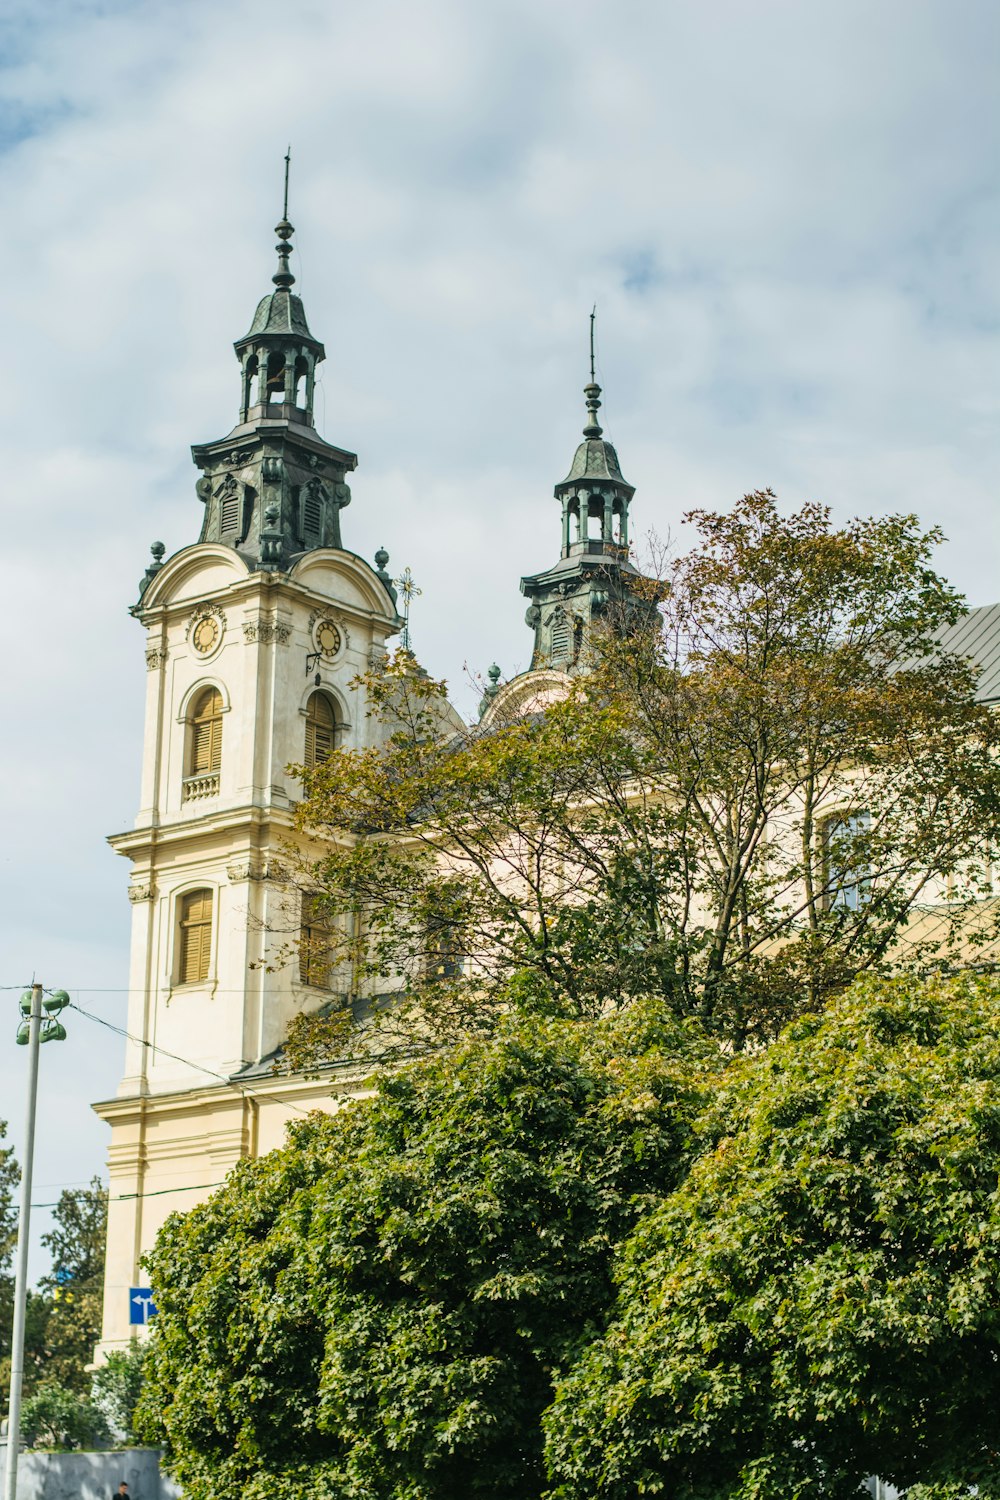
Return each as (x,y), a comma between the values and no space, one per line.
(254,637)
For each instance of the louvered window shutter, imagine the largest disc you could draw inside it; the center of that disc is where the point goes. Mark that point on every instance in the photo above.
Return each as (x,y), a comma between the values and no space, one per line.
(311,512)
(230,511)
(196,937)
(314,945)
(321,730)
(206,740)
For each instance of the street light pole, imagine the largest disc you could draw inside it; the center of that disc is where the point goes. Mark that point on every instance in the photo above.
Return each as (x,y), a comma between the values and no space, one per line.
(21,1275)
(33,1032)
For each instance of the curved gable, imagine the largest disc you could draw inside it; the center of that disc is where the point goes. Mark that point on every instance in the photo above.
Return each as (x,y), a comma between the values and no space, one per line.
(528,693)
(344,577)
(204,568)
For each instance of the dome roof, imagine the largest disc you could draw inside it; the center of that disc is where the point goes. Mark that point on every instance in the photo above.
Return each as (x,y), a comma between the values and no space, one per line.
(594,459)
(279,312)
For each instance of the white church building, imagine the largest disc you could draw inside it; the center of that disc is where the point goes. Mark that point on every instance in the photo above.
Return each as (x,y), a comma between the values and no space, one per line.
(254,637)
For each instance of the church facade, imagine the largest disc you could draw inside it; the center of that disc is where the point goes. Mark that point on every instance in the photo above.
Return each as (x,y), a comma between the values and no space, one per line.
(255,638)
(255,635)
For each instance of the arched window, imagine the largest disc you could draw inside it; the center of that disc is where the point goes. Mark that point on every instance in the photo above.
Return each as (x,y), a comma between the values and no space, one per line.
(321,729)
(195,937)
(845,847)
(204,746)
(250,384)
(314,943)
(274,389)
(301,371)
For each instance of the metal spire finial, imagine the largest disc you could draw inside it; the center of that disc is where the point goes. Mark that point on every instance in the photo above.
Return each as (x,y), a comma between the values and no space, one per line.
(283,277)
(593,313)
(592,391)
(408,591)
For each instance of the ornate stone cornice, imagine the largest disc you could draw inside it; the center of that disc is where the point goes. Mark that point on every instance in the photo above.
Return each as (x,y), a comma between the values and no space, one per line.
(264,632)
(241,871)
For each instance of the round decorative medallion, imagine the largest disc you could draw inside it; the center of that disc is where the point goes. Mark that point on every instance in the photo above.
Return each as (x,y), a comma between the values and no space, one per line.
(328,637)
(205,635)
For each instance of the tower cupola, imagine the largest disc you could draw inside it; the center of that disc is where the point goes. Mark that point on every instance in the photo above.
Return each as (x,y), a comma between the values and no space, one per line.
(593,574)
(273,488)
(595,497)
(278,356)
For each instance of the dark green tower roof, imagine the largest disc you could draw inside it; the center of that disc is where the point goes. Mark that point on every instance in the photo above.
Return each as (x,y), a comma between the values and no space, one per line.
(593,577)
(279,312)
(273,488)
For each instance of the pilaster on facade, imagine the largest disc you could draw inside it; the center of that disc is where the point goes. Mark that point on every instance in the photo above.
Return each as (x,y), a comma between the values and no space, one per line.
(170,1151)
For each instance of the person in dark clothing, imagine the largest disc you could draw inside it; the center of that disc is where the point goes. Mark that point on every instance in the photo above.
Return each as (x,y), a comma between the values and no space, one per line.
(121,1493)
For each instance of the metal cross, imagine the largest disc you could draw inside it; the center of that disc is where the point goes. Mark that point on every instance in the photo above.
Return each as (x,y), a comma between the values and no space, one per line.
(408,591)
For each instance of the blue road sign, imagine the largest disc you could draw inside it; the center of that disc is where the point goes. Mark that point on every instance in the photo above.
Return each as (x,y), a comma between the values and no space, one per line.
(141,1306)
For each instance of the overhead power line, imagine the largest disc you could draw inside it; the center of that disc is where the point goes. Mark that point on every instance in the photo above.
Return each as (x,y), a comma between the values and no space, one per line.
(142,1041)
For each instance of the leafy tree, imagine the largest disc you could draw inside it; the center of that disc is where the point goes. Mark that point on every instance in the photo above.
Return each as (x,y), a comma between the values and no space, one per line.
(54,1417)
(63,1314)
(117,1386)
(819,1300)
(381,1307)
(787,783)
(9,1178)
(37,1312)
(75,1285)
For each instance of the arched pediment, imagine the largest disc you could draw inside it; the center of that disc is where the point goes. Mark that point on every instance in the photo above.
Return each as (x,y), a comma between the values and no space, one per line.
(528,693)
(193,573)
(344,577)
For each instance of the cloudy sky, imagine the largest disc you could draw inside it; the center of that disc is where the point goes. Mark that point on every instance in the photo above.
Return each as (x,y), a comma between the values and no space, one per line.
(787,214)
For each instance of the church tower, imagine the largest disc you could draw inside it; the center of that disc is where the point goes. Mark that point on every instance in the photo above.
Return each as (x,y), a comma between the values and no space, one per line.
(593,580)
(254,637)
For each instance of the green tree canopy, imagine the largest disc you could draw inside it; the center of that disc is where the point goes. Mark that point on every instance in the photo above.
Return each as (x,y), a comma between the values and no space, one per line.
(55,1417)
(117,1386)
(63,1314)
(736,812)
(9,1178)
(74,1287)
(820,1300)
(381,1307)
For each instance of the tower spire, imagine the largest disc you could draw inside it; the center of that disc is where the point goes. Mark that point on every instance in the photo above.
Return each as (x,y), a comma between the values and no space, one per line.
(592,391)
(283,277)
(593,572)
(273,488)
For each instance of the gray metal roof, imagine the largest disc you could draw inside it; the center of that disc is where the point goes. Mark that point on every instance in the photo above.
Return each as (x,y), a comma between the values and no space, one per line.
(977,636)
(278,312)
(594,458)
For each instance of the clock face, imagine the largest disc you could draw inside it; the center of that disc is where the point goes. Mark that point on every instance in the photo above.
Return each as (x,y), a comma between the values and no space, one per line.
(328,637)
(205,634)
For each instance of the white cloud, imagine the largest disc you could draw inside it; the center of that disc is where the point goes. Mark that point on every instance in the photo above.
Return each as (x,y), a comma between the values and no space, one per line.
(787,214)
